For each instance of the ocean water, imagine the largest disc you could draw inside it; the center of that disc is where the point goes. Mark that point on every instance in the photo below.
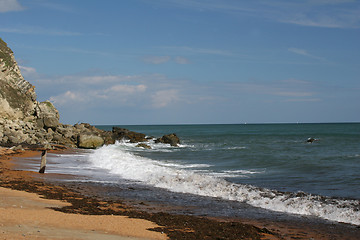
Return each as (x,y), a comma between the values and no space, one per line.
(233,169)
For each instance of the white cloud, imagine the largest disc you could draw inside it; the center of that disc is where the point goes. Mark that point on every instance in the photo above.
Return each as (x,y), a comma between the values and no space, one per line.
(57,6)
(165,59)
(285,89)
(68,97)
(87,81)
(164,98)
(33,30)
(309,21)
(28,72)
(113,94)
(299,51)
(98,79)
(156,59)
(209,5)
(158,91)
(181,60)
(10,6)
(192,50)
(326,2)
(310,13)
(304,53)
(304,100)
(293,94)
(110,90)
(325,14)
(128,89)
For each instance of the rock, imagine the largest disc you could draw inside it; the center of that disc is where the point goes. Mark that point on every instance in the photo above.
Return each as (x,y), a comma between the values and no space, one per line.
(50,122)
(67,131)
(171,139)
(48,115)
(18,148)
(47,146)
(4,140)
(32,141)
(89,141)
(143,145)
(17,137)
(108,137)
(17,96)
(122,133)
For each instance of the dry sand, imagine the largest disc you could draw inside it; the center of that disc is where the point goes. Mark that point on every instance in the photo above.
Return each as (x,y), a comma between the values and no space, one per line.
(27,216)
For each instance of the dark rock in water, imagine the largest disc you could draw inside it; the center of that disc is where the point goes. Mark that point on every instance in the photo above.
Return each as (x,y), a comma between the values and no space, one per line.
(125,134)
(172,139)
(143,145)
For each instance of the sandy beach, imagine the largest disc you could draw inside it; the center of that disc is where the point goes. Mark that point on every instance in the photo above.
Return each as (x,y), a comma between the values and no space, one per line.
(26,215)
(32,208)
(44,211)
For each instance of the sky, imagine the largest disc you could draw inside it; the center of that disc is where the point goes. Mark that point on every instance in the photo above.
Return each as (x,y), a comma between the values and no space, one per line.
(189,61)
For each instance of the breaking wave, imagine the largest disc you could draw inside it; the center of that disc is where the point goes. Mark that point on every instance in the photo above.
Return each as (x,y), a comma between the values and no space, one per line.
(119,161)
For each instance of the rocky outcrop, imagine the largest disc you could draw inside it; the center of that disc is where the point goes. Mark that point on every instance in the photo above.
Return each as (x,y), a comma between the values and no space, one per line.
(122,133)
(17,96)
(90,141)
(25,121)
(171,139)
(47,115)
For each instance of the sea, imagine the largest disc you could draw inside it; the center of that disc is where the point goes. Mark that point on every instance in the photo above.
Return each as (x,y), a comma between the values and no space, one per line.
(231,170)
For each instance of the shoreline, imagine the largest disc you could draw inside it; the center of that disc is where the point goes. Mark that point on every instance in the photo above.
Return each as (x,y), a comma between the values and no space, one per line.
(33,211)
(173,225)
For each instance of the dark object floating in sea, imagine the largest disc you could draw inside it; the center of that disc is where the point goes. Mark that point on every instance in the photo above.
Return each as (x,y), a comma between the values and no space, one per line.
(311,140)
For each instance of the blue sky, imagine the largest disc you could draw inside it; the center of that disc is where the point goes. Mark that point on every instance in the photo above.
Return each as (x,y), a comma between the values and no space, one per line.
(189,61)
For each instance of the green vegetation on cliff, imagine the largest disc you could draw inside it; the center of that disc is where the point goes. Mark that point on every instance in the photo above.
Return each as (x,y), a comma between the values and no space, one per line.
(6,53)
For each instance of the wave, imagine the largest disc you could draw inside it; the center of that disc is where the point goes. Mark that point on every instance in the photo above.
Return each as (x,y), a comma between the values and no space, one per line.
(155,147)
(236,148)
(235,173)
(181,166)
(187,180)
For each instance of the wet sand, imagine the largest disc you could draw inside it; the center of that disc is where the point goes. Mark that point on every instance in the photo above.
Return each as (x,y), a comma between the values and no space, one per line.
(76,215)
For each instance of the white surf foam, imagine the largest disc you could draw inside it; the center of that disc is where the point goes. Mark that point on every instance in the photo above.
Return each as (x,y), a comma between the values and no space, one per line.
(155,147)
(155,173)
(236,148)
(234,173)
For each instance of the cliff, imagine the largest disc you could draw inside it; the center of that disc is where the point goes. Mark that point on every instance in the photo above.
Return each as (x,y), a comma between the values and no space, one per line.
(17,96)
(22,118)
(25,121)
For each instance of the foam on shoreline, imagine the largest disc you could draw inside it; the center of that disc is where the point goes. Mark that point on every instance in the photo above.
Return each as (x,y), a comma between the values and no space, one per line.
(127,165)
(301,230)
